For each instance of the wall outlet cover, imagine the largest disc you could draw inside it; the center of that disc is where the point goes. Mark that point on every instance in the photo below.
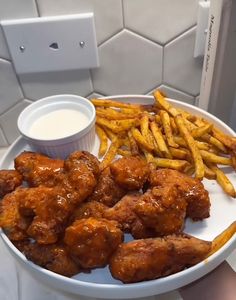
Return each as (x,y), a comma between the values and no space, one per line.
(54,43)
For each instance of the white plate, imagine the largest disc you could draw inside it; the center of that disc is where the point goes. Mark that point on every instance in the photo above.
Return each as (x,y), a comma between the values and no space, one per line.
(99,283)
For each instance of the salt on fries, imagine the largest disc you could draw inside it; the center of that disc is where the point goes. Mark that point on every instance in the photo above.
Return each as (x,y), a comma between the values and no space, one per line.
(166,136)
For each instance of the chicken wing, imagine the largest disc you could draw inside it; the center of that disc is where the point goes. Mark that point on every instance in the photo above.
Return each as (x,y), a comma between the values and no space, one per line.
(9,181)
(88,209)
(52,257)
(148,259)
(107,191)
(38,169)
(40,213)
(163,209)
(130,172)
(124,213)
(92,241)
(197,198)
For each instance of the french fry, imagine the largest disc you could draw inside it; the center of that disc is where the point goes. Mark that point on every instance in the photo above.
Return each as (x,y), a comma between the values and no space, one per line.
(110,154)
(103,140)
(212,140)
(164,104)
(141,140)
(211,157)
(198,162)
(113,114)
(165,119)
(223,180)
(133,144)
(233,160)
(225,139)
(117,125)
(175,164)
(123,152)
(173,126)
(180,153)
(201,145)
(114,103)
(200,131)
(209,174)
(160,140)
(222,238)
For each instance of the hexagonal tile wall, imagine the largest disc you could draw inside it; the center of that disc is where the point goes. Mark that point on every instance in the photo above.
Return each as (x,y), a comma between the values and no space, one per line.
(160,20)
(181,70)
(129,64)
(4,53)
(46,84)
(107,13)
(10,91)
(8,120)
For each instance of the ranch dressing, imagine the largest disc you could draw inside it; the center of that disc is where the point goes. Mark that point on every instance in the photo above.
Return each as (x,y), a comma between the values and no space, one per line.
(58,124)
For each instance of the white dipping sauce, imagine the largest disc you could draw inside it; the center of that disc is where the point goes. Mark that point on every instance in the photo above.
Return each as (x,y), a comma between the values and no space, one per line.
(58,124)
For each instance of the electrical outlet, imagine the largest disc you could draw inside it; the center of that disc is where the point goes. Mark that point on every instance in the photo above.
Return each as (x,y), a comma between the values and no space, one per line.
(54,43)
(201,32)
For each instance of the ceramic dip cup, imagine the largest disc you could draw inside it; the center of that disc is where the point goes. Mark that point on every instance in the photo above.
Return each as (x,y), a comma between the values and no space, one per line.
(58,125)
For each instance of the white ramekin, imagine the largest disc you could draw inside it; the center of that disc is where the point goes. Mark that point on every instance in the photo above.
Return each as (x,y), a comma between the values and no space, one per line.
(60,147)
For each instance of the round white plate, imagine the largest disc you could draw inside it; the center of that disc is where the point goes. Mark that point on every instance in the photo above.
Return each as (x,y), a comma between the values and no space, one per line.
(99,283)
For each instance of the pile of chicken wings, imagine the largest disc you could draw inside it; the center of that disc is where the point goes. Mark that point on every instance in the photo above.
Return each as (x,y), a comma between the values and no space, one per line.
(69,217)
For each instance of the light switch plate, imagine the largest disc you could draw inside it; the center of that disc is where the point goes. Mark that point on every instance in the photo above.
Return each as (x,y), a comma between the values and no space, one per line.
(54,43)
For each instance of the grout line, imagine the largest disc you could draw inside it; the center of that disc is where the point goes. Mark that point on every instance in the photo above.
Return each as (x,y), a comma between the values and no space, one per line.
(37,7)
(180,34)
(123,13)
(110,37)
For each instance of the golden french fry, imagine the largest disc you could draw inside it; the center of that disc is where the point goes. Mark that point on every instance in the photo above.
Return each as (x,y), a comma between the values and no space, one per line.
(209,174)
(110,154)
(123,152)
(133,144)
(144,126)
(164,104)
(114,103)
(117,126)
(180,153)
(227,140)
(201,145)
(233,159)
(160,140)
(198,162)
(173,126)
(222,238)
(103,140)
(149,157)
(223,180)
(113,114)
(215,142)
(211,157)
(165,119)
(141,140)
(200,131)
(175,164)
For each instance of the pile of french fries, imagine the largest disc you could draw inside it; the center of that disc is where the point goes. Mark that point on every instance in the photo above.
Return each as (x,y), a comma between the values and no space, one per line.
(166,136)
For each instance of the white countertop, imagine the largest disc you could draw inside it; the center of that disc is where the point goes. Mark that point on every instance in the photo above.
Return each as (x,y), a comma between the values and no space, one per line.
(17,284)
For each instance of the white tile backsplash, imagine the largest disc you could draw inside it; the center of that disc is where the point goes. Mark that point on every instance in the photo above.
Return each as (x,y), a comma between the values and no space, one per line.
(8,121)
(10,92)
(142,44)
(124,60)
(181,69)
(46,84)
(160,20)
(4,53)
